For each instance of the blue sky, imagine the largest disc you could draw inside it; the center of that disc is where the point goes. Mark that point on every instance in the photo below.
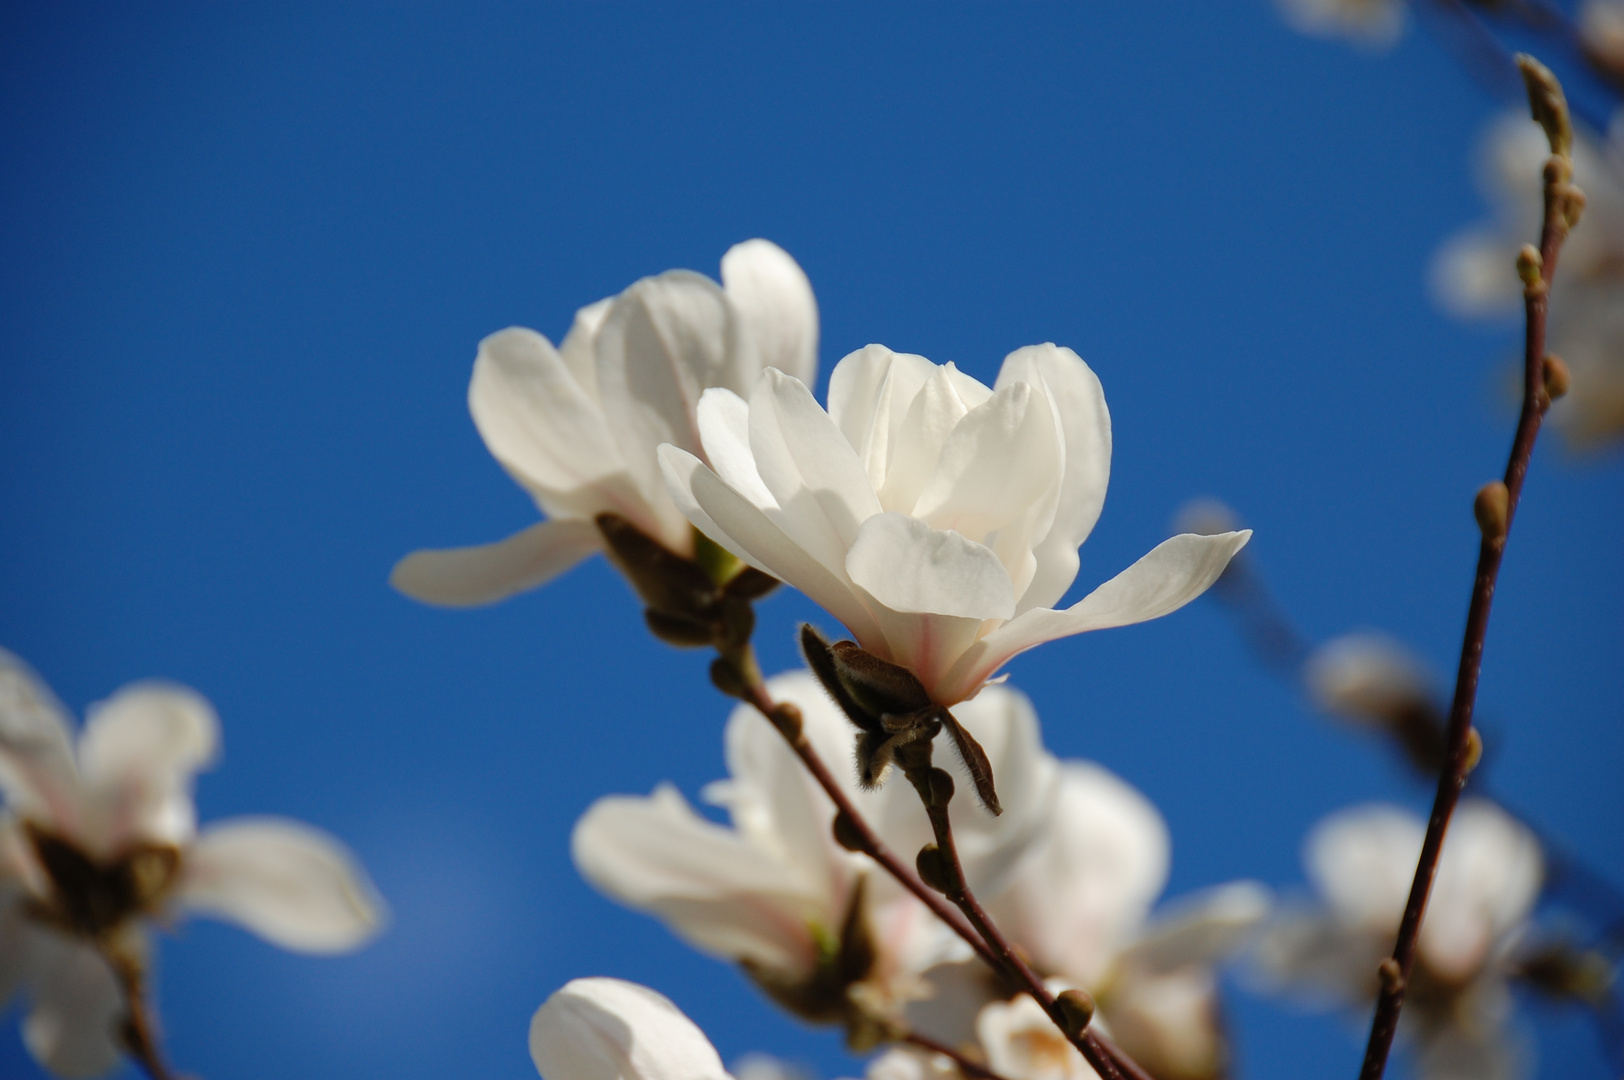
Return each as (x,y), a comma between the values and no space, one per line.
(246,254)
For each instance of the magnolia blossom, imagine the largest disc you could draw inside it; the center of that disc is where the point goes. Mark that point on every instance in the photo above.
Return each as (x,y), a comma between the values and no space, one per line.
(1361,862)
(819,927)
(610,1029)
(99,834)
(1080,905)
(577,426)
(938,518)
(1474,272)
(1374,24)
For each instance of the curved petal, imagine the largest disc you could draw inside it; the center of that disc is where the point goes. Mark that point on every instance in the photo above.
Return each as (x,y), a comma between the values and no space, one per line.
(745,530)
(774,300)
(1201,929)
(910,567)
(1003,460)
(1085,423)
(914,443)
(1175,572)
(579,349)
(870,391)
(473,576)
(721,894)
(293,885)
(609,1029)
(820,486)
(538,420)
(37,773)
(664,342)
(73,1026)
(137,756)
(724,427)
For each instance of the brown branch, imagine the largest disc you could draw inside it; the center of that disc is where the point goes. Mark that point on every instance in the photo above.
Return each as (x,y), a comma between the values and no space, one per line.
(972,1069)
(138,1031)
(743,679)
(1496,506)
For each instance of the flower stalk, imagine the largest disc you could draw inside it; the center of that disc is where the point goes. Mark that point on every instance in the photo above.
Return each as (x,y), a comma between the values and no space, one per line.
(139,1030)
(1495,508)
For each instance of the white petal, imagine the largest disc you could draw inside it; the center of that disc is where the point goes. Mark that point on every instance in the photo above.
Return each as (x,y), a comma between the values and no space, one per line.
(1474,274)
(1201,929)
(665,341)
(609,1029)
(37,772)
(1362,860)
(1175,572)
(1169,1023)
(914,444)
(870,392)
(775,305)
(721,894)
(1090,879)
(540,423)
(1021,1041)
(1079,401)
(743,529)
(1488,878)
(472,576)
(910,567)
(137,757)
(1002,460)
(579,349)
(72,1028)
(724,427)
(293,885)
(819,484)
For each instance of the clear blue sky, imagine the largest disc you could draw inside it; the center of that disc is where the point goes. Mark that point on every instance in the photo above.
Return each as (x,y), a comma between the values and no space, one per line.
(245,257)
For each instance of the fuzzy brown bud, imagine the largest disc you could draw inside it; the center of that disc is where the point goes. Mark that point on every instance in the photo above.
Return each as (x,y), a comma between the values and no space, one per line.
(1557,378)
(1530,267)
(1391,976)
(1474,751)
(847,835)
(1492,509)
(1547,104)
(937,870)
(1076,1009)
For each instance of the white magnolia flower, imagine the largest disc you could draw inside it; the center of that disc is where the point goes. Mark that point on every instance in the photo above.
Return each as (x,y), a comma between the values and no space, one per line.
(775,892)
(1374,24)
(610,1029)
(1080,904)
(939,519)
(1367,677)
(577,426)
(1474,272)
(99,834)
(1361,862)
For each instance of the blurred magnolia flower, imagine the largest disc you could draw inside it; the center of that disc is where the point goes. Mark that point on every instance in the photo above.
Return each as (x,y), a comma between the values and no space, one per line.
(1474,272)
(577,426)
(1374,24)
(99,835)
(819,928)
(1361,862)
(1079,904)
(610,1029)
(1601,33)
(937,518)
(1377,682)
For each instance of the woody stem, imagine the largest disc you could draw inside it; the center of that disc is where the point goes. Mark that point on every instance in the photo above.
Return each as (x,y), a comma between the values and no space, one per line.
(138,1031)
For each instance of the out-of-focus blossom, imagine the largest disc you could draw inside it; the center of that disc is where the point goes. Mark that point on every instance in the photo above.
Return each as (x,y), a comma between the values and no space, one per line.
(1374,24)
(1474,272)
(1366,677)
(908,1064)
(577,426)
(1361,862)
(817,926)
(1601,33)
(938,518)
(610,1029)
(1079,906)
(99,835)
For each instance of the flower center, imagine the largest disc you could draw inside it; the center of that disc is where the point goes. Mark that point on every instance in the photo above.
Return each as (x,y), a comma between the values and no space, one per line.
(92,896)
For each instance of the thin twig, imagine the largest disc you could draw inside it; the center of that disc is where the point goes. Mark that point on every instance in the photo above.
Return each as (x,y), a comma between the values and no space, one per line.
(1011,962)
(1496,524)
(973,1069)
(972,925)
(139,1032)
